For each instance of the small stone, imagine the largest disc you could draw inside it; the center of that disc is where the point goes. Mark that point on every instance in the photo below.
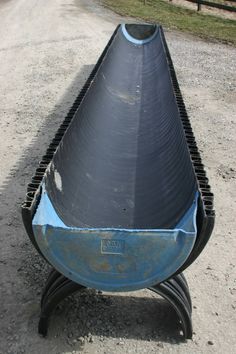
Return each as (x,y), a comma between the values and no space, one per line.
(81,340)
(70,335)
(160,345)
(121,342)
(210,342)
(91,340)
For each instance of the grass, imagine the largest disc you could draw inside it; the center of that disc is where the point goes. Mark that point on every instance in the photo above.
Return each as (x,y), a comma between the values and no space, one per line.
(176,17)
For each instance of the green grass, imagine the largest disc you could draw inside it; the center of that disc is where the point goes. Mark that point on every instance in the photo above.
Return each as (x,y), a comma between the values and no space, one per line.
(176,17)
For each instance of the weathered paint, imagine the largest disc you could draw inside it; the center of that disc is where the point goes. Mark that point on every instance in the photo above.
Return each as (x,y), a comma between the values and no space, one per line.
(113,259)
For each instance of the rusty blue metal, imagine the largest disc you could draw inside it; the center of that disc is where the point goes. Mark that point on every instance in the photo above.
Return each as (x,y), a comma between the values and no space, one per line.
(113,259)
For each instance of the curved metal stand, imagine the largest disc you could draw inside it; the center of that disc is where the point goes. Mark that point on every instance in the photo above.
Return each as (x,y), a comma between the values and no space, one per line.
(175,290)
(57,288)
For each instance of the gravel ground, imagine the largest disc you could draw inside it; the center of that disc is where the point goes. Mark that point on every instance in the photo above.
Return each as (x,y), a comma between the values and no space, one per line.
(47,50)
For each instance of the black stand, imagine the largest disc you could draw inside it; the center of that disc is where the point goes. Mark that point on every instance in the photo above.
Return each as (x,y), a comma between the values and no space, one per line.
(175,290)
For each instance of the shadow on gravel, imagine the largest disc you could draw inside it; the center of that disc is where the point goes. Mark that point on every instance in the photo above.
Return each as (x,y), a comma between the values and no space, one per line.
(34,268)
(138,315)
(24,271)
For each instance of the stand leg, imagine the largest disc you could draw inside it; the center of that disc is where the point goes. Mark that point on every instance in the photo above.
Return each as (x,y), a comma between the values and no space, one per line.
(50,281)
(57,288)
(176,292)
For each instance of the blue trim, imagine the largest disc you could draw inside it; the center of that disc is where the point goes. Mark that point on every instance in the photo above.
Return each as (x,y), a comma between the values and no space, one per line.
(46,214)
(138,41)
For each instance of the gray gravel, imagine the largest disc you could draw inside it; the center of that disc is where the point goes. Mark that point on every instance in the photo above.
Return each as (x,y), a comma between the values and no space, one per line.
(47,50)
